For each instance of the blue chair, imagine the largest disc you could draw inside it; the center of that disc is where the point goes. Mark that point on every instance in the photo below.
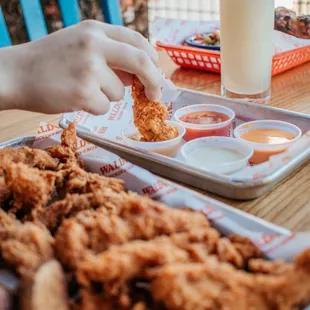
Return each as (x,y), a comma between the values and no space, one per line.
(35,23)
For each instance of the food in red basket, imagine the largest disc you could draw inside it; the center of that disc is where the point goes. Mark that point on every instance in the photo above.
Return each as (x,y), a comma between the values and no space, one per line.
(95,245)
(287,21)
(304,26)
(150,117)
(212,38)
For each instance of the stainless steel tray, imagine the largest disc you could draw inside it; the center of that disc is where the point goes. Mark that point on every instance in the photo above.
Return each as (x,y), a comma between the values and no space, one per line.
(218,184)
(249,221)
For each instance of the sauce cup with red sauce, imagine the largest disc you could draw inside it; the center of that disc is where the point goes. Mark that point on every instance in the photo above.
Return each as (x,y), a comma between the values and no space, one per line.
(205,120)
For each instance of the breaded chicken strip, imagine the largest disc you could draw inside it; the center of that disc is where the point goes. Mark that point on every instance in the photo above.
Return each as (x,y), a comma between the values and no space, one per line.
(30,187)
(24,246)
(66,151)
(216,285)
(30,157)
(74,179)
(150,117)
(118,219)
(131,259)
(54,214)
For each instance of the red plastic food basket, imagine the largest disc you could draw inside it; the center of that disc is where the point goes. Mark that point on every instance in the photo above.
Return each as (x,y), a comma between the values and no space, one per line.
(208,60)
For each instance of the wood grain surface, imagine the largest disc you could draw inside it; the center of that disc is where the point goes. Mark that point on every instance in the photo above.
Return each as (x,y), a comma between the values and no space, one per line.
(288,205)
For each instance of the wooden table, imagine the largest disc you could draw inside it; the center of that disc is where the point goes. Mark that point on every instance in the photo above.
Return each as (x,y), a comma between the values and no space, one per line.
(288,204)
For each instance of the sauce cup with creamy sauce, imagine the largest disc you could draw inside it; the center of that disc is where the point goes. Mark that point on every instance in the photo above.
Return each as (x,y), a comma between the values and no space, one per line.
(204,120)
(267,137)
(222,155)
(168,148)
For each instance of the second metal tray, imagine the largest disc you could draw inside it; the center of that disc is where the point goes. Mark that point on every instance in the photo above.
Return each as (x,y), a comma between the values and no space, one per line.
(218,184)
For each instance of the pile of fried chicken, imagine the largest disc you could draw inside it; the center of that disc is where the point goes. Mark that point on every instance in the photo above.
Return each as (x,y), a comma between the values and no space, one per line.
(78,240)
(150,117)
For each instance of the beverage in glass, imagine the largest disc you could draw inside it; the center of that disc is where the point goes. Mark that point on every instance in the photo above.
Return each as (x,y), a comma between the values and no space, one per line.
(247,48)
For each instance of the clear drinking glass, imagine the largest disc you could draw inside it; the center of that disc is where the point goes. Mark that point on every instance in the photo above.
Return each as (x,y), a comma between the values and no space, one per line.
(247,48)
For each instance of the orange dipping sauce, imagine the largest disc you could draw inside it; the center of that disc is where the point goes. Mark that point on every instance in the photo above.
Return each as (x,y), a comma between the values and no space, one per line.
(204,118)
(260,156)
(268,136)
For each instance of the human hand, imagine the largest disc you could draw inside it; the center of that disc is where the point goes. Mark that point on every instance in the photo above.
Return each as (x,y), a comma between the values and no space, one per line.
(83,67)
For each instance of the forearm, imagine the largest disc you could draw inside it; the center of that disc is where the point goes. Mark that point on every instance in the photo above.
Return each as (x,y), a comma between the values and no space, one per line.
(9,78)
(83,67)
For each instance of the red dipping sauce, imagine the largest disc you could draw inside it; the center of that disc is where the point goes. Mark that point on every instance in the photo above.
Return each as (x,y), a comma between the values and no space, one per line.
(205,120)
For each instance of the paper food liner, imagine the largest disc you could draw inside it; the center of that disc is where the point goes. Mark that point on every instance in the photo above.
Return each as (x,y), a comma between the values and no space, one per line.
(275,246)
(175,31)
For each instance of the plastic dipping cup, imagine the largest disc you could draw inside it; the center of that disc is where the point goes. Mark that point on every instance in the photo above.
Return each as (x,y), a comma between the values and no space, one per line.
(262,151)
(222,155)
(168,148)
(194,131)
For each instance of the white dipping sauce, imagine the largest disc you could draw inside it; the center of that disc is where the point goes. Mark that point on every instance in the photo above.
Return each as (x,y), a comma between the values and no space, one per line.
(210,156)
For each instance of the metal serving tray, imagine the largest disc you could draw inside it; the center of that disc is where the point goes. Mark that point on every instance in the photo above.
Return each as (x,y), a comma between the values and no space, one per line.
(207,181)
(249,221)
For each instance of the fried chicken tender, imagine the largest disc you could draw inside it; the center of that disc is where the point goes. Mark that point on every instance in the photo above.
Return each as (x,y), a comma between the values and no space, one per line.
(76,180)
(245,247)
(124,262)
(131,259)
(7,219)
(25,246)
(31,187)
(53,215)
(66,151)
(237,250)
(269,267)
(216,285)
(30,157)
(5,192)
(120,218)
(149,117)
(194,246)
